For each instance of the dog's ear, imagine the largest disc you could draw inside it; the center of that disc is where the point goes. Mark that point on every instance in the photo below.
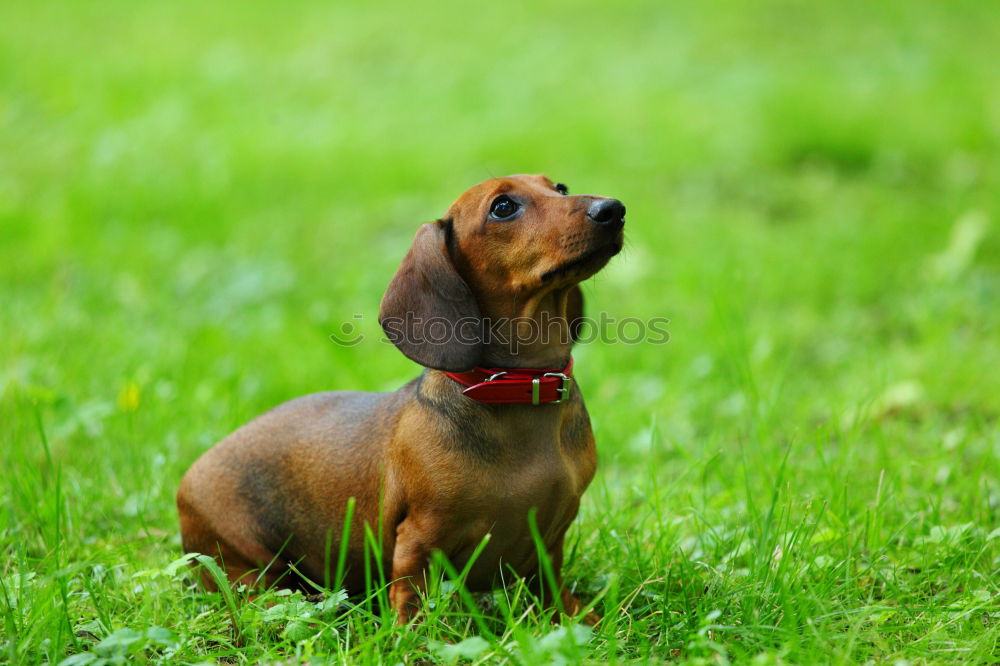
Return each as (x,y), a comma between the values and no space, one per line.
(428,311)
(574,311)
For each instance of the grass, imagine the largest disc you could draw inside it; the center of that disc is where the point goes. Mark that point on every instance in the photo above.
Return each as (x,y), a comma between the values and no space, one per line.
(194,196)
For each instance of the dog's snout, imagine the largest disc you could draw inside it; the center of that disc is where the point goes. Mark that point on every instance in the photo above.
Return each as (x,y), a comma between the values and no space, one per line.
(607,213)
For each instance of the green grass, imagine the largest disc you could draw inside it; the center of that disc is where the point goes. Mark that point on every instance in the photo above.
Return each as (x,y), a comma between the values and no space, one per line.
(194,196)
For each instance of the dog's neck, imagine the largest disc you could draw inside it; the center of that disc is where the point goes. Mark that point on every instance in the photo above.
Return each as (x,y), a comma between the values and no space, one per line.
(528,332)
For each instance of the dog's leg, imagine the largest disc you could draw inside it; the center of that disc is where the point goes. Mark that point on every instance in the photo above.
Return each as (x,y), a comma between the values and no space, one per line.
(570,604)
(409,564)
(243,560)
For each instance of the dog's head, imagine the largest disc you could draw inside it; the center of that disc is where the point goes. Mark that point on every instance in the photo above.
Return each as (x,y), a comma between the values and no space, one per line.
(507,248)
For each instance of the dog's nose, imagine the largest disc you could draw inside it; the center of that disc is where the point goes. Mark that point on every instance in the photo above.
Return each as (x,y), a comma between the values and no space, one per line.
(607,213)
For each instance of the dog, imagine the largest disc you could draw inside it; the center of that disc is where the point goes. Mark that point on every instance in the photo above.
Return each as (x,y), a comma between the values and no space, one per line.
(493,430)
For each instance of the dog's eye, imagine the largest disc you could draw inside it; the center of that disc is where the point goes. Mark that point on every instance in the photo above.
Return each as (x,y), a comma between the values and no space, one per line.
(561,189)
(503,208)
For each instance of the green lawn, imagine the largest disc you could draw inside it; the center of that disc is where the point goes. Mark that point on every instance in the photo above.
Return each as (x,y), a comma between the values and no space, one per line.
(194,196)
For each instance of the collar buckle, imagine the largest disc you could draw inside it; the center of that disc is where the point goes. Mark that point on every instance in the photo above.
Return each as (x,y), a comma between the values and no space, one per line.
(562,390)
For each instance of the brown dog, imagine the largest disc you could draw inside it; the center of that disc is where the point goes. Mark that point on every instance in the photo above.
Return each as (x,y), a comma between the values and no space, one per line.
(457,453)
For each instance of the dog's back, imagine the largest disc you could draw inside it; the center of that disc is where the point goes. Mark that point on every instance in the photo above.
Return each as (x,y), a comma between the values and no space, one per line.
(269,494)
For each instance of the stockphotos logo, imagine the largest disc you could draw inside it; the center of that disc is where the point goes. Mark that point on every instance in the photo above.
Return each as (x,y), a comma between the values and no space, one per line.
(513,333)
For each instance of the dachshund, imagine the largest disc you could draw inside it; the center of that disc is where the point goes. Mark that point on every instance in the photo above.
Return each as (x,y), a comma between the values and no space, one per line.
(492,433)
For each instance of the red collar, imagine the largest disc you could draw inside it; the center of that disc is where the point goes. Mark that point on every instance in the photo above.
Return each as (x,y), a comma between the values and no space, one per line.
(529,386)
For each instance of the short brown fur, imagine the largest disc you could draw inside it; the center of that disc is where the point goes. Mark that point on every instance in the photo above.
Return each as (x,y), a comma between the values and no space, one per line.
(429,468)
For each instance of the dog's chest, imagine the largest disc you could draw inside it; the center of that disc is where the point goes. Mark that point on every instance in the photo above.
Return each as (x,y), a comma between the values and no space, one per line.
(510,479)
(536,499)
(538,467)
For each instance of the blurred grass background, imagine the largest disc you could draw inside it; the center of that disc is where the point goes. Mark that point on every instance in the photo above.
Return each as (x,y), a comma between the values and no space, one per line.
(194,196)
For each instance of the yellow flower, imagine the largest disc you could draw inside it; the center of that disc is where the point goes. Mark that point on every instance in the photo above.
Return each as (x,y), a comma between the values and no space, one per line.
(128,397)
